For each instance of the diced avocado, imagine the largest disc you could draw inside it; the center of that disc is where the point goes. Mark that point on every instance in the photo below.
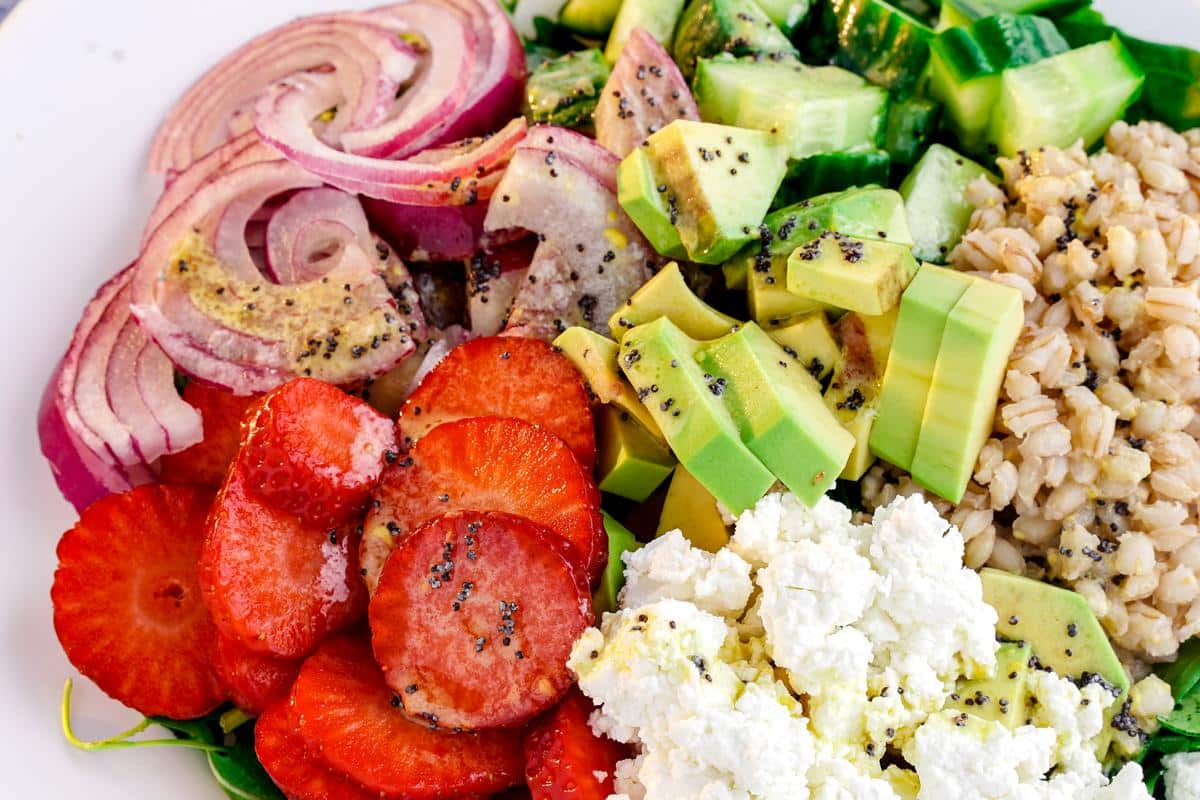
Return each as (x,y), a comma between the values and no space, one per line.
(691,509)
(870,213)
(880,331)
(660,362)
(832,172)
(620,541)
(786,14)
(644,199)
(924,309)
(590,17)
(667,295)
(595,357)
(853,393)
(810,341)
(812,109)
(935,196)
(720,181)
(778,409)
(657,17)
(709,27)
(855,274)
(1057,623)
(564,90)
(629,462)
(1002,697)
(980,334)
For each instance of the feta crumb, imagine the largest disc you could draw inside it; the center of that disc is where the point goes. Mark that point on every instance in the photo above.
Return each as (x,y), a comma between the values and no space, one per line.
(1182,777)
(670,568)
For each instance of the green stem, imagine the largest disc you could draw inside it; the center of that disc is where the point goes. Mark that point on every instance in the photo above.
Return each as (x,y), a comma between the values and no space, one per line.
(233,719)
(121,739)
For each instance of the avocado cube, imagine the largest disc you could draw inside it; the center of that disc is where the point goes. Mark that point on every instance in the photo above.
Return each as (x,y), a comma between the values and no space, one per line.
(692,510)
(768,299)
(720,181)
(854,274)
(620,541)
(779,411)
(980,334)
(853,392)
(709,27)
(1001,697)
(660,362)
(595,357)
(657,17)
(1057,623)
(629,462)
(924,309)
(810,341)
(668,295)
(644,199)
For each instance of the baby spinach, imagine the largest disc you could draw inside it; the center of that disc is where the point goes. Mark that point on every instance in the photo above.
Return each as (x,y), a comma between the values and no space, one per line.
(226,737)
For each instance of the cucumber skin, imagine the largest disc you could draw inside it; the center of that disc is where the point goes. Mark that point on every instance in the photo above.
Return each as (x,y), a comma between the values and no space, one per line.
(880,42)
(910,124)
(827,173)
(707,29)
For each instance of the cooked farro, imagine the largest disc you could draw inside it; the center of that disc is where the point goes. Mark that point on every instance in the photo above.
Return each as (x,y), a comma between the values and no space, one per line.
(1092,474)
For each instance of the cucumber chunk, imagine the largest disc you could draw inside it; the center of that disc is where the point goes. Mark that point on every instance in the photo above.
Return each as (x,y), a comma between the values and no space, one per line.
(709,27)
(590,17)
(1075,95)
(832,172)
(657,17)
(935,198)
(564,90)
(910,123)
(878,40)
(786,14)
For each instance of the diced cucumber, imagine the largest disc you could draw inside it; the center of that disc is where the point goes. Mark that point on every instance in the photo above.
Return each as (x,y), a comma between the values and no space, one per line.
(1075,95)
(812,109)
(657,17)
(590,17)
(878,40)
(910,123)
(709,27)
(786,14)
(564,90)
(934,198)
(832,172)
(966,63)
(957,13)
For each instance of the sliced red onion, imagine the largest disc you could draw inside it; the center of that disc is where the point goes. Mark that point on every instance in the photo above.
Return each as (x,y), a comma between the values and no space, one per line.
(644,93)
(428,233)
(225,323)
(111,408)
(592,257)
(305,236)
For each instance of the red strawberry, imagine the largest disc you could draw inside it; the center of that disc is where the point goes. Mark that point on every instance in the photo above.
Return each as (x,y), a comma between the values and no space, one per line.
(505,376)
(276,584)
(315,451)
(489,464)
(474,620)
(564,760)
(350,720)
(206,463)
(281,750)
(127,605)
(254,681)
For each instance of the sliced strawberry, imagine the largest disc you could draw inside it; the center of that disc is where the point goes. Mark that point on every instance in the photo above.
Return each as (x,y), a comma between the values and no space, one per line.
(206,463)
(487,464)
(280,748)
(474,620)
(127,604)
(564,760)
(274,583)
(254,681)
(505,376)
(315,451)
(351,720)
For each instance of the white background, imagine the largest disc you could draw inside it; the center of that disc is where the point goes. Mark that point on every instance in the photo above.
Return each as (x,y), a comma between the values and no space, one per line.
(82,85)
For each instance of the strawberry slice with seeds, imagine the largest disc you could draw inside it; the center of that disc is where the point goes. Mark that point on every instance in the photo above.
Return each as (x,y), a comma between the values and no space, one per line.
(274,583)
(314,451)
(564,760)
(254,681)
(474,620)
(350,720)
(205,463)
(127,602)
(280,748)
(487,464)
(505,376)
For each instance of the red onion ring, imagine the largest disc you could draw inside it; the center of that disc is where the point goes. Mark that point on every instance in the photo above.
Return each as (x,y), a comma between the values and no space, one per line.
(305,236)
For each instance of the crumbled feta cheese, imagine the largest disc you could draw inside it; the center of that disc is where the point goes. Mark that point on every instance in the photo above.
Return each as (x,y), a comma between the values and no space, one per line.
(669,567)
(787,664)
(1182,777)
